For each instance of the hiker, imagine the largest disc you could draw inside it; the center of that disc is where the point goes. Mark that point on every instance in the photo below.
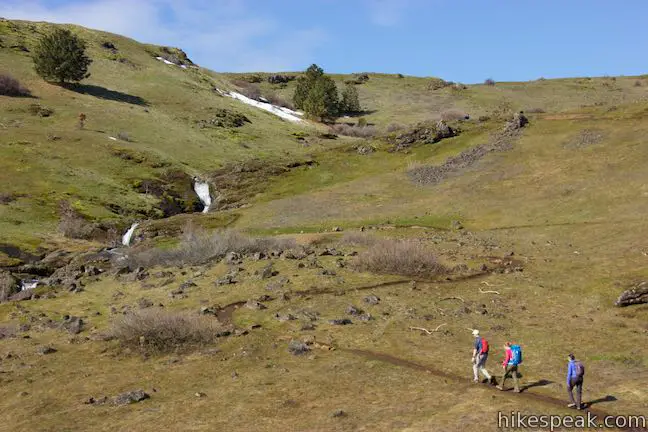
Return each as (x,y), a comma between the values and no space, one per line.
(575,374)
(512,360)
(479,357)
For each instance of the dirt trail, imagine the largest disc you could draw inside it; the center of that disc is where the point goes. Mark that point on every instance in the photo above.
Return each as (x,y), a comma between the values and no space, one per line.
(525,395)
(225,315)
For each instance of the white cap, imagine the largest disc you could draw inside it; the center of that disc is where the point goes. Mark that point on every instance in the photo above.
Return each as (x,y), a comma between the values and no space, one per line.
(475,332)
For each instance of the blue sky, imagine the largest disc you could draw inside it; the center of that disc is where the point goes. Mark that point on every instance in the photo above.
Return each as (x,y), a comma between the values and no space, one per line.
(464,41)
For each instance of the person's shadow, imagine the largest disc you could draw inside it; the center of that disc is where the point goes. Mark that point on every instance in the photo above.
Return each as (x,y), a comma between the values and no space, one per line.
(539,383)
(608,398)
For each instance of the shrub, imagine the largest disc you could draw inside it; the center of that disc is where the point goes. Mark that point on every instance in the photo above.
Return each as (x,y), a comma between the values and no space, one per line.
(637,83)
(350,102)
(362,122)
(400,257)
(489,81)
(251,90)
(160,331)
(358,239)
(535,110)
(454,115)
(393,127)
(400,75)
(322,100)
(354,131)
(316,94)
(72,224)
(60,56)
(277,100)
(9,86)
(198,247)
(39,110)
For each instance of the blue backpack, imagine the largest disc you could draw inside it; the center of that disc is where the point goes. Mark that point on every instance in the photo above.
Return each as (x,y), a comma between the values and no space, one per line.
(516,355)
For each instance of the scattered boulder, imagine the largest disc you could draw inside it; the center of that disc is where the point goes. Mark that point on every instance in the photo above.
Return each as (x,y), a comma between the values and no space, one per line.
(267,272)
(327,272)
(352,310)
(286,317)
(518,122)
(635,295)
(209,310)
(372,299)
(228,279)
(365,317)
(9,285)
(73,324)
(44,350)
(255,305)
(233,258)
(297,347)
(341,321)
(96,401)
(338,413)
(423,134)
(187,284)
(144,303)
(130,397)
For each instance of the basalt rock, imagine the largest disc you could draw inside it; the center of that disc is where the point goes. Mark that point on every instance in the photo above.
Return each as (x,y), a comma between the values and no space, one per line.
(633,296)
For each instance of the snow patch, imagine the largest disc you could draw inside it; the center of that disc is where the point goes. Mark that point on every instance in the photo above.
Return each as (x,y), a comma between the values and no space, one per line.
(126,238)
(112,138)
(202,190)
(284,113)
(166,61)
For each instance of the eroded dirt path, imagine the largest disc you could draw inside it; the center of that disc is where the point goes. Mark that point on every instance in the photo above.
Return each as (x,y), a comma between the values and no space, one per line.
(525,395)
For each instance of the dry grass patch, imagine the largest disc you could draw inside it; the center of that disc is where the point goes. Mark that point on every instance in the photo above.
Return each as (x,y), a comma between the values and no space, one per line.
(162,331)
(400,257)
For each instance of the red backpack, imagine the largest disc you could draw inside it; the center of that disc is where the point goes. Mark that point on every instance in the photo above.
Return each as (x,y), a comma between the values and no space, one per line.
(484,346)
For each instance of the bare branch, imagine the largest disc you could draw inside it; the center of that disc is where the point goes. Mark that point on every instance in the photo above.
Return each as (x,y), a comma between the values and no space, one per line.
(428,331)
(422,329)
(439,326)
(488,291)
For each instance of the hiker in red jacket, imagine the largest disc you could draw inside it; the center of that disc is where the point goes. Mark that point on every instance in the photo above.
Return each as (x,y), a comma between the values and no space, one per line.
(479,357)
(512,359)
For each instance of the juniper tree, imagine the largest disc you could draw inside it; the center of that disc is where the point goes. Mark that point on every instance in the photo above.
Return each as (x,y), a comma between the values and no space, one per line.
(60,56)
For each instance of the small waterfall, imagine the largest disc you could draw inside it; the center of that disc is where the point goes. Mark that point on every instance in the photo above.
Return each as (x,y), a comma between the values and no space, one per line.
(202,190)
(27,284)
(126,239)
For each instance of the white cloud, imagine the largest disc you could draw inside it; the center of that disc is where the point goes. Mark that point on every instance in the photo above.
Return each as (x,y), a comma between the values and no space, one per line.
(222,35)
(388,13)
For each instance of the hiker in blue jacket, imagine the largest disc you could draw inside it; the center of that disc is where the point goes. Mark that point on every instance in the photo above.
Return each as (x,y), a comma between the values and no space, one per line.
(575,375)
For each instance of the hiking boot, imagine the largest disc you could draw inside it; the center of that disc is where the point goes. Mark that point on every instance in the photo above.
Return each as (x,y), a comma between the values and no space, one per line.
(517,391)
(493,381)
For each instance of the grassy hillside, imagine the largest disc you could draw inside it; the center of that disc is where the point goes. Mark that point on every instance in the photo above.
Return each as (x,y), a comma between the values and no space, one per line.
(532,235)
(155,105)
